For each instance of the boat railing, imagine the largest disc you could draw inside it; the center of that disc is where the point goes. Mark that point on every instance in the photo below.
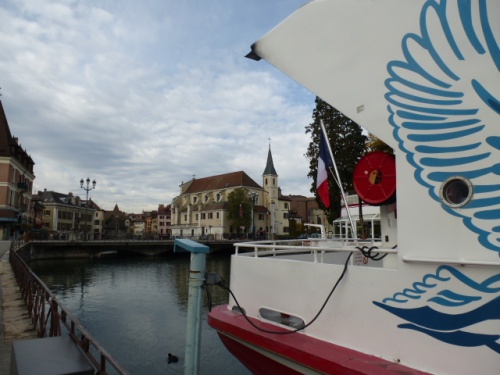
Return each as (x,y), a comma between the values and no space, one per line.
(317,247)
(49,317)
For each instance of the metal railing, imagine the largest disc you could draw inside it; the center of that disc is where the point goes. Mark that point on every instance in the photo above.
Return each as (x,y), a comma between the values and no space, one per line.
(49,317)
(317,247)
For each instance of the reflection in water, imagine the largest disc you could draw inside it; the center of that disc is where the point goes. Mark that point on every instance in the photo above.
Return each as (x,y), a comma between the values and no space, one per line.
(137,307)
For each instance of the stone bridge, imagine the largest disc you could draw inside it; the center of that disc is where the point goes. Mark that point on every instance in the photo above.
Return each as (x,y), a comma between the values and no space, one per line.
(36,250)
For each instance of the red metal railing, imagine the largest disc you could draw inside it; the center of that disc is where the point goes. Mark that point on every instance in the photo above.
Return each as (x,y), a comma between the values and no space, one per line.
(49,316)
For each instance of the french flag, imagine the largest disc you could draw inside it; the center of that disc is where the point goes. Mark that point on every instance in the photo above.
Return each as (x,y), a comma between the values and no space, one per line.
(325,162)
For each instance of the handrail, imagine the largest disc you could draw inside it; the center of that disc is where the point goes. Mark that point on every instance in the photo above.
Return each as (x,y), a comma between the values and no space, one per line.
(38,298)
(281,247)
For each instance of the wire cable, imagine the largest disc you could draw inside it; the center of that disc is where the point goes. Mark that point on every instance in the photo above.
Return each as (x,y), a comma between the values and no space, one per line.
(367,252)
(209,297)
(223,285)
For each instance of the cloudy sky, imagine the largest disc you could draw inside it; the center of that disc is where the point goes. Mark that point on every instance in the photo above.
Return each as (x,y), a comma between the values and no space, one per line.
(142,95)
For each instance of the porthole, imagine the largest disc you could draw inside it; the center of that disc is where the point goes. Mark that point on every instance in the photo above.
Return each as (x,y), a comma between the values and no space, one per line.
(456,191)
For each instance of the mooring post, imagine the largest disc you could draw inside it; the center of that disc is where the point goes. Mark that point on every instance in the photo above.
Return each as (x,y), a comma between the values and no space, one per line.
(195,302)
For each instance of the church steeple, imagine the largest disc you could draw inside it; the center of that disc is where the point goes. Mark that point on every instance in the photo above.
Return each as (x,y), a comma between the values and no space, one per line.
(269,171)
(271,187)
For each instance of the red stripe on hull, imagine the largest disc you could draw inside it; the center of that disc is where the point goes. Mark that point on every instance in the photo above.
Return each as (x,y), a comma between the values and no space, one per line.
(256,362)
(314,354)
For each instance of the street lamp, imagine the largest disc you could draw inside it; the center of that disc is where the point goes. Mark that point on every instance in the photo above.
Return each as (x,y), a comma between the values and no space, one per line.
(87,188)
(252,196)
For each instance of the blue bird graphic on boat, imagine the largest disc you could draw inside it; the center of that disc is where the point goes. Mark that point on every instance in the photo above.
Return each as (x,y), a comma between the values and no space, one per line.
(443,117)
(466,318)
(444,111)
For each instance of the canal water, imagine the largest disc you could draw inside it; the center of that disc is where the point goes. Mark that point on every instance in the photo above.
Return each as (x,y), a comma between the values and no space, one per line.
(136,308)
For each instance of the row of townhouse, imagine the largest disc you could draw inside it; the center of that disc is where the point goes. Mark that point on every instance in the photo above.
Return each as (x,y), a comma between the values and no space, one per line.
(68,217)
(157,223)
(150,224)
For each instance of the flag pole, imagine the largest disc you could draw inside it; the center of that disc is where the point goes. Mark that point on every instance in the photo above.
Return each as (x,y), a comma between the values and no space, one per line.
(336,177)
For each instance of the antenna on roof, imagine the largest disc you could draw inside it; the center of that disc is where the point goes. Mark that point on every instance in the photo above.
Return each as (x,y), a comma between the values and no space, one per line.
(194,176)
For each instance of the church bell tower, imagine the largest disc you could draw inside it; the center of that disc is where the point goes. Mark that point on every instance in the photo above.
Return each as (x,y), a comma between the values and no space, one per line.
(271,189)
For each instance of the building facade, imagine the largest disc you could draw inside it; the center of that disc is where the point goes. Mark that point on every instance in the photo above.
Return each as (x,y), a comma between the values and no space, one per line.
(139,228)
(150,225)
(66,216)
(16,184)
(164,222)
(98,221)
(117,225)
(201,209)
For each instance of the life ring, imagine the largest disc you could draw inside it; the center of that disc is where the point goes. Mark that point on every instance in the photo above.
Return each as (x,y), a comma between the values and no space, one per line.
(374,178)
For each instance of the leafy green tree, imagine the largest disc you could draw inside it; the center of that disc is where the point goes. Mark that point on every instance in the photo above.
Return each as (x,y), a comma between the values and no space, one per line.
(376,144)
(348,145)
(240,208)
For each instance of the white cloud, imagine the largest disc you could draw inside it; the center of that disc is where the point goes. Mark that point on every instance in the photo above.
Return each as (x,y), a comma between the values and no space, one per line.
(143,95)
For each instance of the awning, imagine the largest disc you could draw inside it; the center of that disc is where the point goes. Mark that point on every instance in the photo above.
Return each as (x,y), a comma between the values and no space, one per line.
(9,216)
(10,220)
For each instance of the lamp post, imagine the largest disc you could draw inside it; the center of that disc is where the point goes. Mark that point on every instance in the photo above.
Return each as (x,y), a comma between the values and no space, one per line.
(252,196)
(87,188)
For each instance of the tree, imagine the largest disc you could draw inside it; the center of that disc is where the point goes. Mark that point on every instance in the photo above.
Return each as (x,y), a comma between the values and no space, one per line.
(292,228)
(239,208)
(348,145)
(376,144)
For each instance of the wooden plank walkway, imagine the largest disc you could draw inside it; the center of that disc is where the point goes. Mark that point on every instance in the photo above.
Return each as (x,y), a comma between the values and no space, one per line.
(15,324)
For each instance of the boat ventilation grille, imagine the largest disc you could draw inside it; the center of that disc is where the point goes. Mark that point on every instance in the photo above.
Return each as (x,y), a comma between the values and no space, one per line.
(281,318)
